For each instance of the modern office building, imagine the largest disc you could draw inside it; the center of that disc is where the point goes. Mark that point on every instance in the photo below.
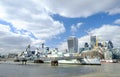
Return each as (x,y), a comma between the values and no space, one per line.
(72,44)
(108,55)
(86,46)
(116,53)
(93,41)
(110,45)
(100,44)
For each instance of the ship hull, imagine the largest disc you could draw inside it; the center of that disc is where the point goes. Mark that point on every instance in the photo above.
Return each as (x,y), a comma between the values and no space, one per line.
(92,61)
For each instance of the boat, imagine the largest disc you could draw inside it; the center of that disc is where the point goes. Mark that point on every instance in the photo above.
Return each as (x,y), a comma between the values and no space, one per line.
(79,61)
(64,58)
(71,58)
(90,61)
(69,61)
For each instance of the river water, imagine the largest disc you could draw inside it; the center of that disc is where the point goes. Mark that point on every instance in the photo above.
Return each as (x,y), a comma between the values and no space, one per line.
(46,70)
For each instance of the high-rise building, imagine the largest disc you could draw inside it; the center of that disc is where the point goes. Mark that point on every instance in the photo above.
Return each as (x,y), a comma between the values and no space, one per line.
(72,44)
(110,45)
(93,41)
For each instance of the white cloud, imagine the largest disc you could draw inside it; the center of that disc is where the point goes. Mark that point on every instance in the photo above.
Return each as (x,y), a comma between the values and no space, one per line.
(74,28)
(37,43)
(78,25)
(32,17)
(81,8)
(9,42)
(63,46)
(117,21)
(5,28)
(83,40)
(114,10)
(2,12)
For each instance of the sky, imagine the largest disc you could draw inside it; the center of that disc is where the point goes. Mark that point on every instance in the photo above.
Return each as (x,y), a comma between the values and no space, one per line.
(52,22)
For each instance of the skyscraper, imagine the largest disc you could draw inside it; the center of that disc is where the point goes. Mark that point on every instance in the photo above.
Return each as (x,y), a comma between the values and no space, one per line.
(93,41)
(110,45)
(72,44)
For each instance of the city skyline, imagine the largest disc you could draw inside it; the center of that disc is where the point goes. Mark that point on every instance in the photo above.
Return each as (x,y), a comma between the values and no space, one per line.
(52,22)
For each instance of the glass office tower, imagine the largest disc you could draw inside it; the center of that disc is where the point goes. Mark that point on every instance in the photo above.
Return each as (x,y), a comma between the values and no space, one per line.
(72,44)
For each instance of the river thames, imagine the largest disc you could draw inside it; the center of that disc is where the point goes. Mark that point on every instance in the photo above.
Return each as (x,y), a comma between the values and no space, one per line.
(46,70)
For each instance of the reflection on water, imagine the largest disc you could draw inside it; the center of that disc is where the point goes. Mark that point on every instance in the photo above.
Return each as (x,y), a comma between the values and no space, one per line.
(45,70)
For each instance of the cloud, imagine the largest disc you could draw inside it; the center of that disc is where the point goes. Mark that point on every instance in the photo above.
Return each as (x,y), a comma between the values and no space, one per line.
(4,28)
(11,42)
(31,22)
(115,9)
(81,8)
(63,46)
(104,33)
(15,42)
(29,16)
(74,28)
(117,21)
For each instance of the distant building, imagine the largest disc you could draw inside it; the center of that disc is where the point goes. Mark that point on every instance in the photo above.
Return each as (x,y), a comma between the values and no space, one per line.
(100,45)
(93,41)
(108,55)
(42,45)
(116,53)
(110,45)
(86,45)
(47,49)
(72,44)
